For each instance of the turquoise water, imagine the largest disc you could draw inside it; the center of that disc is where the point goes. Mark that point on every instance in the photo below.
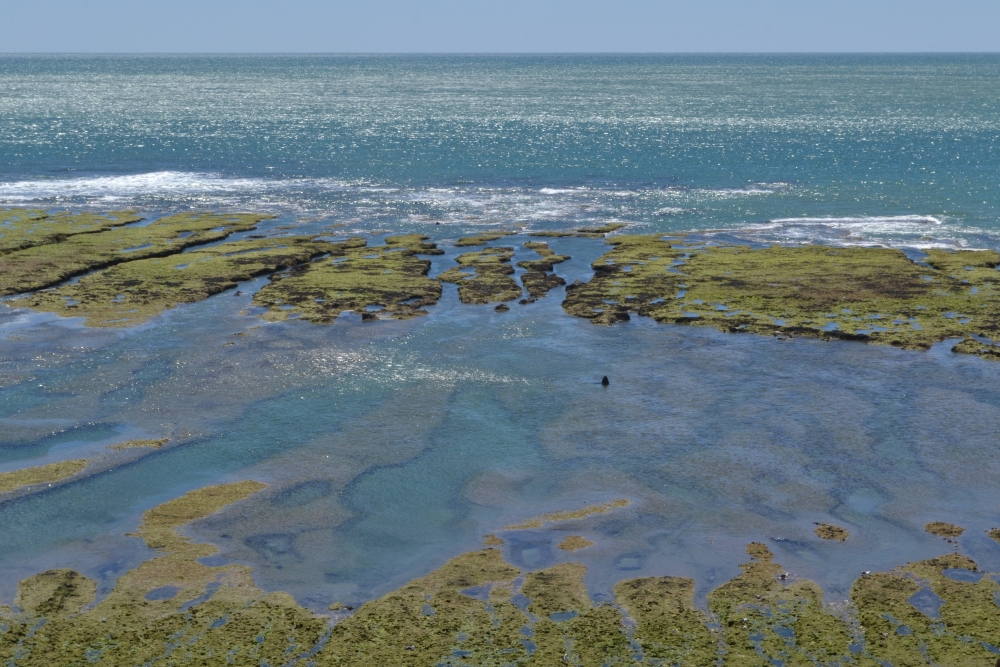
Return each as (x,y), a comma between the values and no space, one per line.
(391,446)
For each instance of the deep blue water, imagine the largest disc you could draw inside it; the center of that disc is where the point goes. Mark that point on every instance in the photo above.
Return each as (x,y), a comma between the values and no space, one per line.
(391,446)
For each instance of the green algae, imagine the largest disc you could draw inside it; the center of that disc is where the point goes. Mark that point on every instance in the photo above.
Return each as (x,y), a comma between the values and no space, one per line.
(356,277)
(138,444)
(538,277)
(569,515)
(46,265)
(583,232)
(464,613)
(26,228)
(575,543)
(237,624)
(55,593)
(47,474)
(877,295)
(944,529)
(668,626)
(828,531)
(481,239)
(491,281)
(130,293)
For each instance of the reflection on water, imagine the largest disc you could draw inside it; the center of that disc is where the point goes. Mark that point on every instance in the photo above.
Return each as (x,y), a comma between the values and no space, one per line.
(391,446)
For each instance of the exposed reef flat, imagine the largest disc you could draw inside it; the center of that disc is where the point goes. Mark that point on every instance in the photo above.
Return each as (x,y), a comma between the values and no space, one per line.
(583,232)
(140,444)
(538,277)
(22,228)
(828,531)
(569,515)
(389,278)
(130,293)
(47,474)
(477,609)
(491,280)
(46,265)
(481,239)
(877,295)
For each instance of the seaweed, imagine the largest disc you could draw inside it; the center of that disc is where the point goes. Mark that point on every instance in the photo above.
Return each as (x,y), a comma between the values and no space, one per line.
(583,232)
(668,626)
(575,543)
(25,228)
(135,444)
(47,265)
(538,277)
(130,293)
(55,593)
(876,295)
(481,239)
(943,529)
(828,531)
(491,281)
(464,613)
(550,517)
(237,624)
(46,474)
(356,277)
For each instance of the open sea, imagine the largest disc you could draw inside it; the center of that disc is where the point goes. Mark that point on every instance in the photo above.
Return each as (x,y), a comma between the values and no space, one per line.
(392,446)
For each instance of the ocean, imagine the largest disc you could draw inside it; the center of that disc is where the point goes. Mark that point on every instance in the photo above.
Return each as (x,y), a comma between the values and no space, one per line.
(391,446)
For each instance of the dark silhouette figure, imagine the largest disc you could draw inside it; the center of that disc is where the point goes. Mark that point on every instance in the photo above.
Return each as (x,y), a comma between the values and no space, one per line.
(605,382)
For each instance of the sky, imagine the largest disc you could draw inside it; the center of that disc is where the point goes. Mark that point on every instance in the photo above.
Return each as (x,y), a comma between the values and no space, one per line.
(497,26)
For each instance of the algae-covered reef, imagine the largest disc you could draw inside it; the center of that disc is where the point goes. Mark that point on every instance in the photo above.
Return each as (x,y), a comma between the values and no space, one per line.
(490,280)
(538,277)
(583,232)
(165,610)
(878,295)
(42,266)
(46,474)
(380,281)
(481,239)
(129,293)
(477,609)
(24,228)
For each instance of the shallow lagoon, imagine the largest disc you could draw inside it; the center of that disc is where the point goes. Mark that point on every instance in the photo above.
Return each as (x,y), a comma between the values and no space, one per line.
(390,447)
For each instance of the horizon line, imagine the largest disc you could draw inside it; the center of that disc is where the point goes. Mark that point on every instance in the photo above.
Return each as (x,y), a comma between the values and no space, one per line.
(492,53)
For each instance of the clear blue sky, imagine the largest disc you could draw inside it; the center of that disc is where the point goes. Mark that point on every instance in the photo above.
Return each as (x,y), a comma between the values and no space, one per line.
(441,26)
